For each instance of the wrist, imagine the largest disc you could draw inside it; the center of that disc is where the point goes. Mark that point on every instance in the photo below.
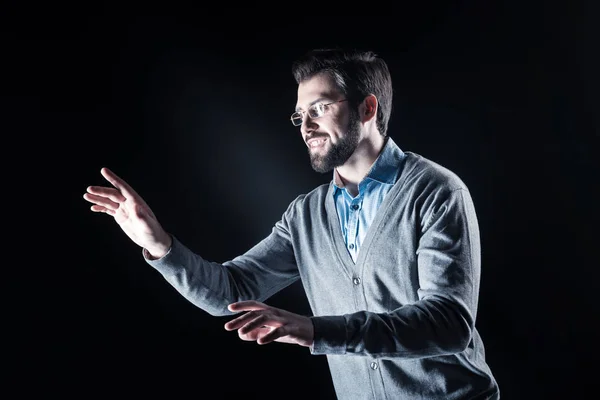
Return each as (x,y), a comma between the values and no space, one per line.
(160,249)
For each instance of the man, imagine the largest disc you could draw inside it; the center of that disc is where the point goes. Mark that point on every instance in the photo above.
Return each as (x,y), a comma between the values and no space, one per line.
(388,252)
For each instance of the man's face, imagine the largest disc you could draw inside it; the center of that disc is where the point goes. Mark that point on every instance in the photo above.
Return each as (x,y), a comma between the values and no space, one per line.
(333,137)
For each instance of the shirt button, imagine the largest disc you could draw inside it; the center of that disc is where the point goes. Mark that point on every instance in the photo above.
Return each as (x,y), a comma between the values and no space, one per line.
(374,366)
(356,281)
(355,206)
(351,246)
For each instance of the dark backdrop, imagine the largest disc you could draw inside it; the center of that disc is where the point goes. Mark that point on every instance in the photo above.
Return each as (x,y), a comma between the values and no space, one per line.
(193,111)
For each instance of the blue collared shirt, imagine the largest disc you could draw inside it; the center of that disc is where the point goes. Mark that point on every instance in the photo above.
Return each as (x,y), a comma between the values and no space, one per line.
(357,213)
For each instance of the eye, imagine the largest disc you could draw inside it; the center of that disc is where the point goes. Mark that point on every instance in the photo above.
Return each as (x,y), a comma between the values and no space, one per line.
(317,110)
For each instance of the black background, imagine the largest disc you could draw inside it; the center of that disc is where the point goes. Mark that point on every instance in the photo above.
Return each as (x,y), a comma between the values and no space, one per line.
(192,110)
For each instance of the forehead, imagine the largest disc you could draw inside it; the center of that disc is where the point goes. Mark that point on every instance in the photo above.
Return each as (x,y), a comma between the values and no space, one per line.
(319,87)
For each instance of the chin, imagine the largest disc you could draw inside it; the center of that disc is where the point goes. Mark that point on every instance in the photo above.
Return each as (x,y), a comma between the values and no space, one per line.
(321,168)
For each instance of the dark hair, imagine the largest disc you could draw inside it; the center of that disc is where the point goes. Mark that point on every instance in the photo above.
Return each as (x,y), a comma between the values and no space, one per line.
(356,73)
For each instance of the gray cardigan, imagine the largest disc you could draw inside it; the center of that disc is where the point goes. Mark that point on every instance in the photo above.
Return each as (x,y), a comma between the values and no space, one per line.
(397,324)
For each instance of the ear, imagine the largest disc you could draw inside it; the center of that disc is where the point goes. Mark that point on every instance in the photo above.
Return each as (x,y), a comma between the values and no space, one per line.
(370,105)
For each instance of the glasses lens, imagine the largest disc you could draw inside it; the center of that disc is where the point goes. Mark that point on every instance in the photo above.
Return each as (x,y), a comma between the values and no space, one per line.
(317,110)
(296,119)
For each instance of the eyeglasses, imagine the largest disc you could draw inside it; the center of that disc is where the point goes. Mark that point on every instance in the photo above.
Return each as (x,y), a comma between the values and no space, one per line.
(315,111)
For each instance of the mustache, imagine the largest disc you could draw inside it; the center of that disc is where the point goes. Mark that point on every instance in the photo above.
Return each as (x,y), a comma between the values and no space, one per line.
(317,136)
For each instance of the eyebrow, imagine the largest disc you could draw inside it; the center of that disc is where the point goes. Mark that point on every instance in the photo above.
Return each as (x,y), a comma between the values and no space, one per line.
(313,102)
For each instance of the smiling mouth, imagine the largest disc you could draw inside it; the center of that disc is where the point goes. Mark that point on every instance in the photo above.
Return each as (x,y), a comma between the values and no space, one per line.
(315,143)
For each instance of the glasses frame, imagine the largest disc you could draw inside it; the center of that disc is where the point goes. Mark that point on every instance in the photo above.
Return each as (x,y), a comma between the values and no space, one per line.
(313,107)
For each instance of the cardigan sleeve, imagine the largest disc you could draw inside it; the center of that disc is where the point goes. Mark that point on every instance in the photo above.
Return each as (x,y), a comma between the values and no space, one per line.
(263,270)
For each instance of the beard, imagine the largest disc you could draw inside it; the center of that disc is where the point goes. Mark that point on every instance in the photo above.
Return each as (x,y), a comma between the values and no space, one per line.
(338,153)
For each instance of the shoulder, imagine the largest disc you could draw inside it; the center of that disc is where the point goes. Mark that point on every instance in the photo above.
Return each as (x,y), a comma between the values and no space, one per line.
(425,173)
(311,201)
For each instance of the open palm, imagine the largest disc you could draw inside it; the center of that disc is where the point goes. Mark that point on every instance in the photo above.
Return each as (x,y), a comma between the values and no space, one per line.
(129,210)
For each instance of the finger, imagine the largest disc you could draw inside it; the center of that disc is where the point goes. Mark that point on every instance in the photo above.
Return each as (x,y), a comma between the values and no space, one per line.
(112,193)
(272,336)
(96,208)
(254,335)
(240,321)
(258,322)
(117,182)
(101,201)
(248,305)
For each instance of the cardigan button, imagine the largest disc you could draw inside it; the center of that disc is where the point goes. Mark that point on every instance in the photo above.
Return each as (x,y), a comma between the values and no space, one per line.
(356,281)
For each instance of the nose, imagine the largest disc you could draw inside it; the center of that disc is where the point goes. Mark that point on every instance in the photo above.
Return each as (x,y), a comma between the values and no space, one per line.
(308,125)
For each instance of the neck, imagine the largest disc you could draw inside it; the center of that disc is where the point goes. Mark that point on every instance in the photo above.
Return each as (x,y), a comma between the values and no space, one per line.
(359,164)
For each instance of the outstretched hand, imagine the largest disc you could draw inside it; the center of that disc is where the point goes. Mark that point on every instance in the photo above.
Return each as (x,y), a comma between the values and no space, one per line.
(265,324)
(131,212)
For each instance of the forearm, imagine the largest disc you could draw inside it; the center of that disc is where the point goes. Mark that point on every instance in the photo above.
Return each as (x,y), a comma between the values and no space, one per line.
(429,327)
(205,284)
(256,275)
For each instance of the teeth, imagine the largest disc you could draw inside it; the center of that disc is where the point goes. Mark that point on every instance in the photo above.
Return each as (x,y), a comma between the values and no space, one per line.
(316,143)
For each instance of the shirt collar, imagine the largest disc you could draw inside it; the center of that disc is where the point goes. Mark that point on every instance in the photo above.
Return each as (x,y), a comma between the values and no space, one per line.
(385,169)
